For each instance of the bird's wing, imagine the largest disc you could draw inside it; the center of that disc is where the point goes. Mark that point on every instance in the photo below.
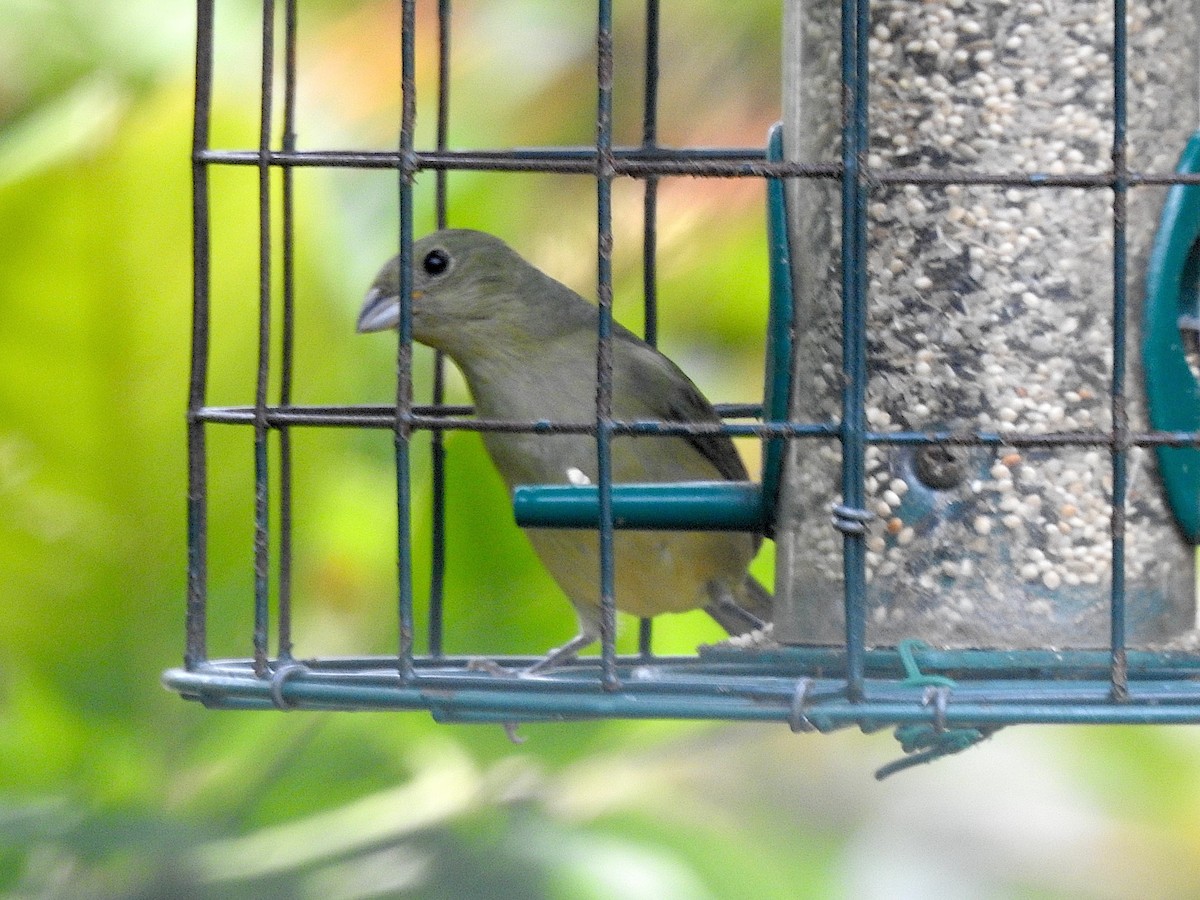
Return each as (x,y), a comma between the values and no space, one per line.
(651,386)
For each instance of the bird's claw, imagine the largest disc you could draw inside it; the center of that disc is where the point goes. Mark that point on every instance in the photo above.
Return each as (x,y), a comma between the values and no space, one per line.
(493,668)
(489,667)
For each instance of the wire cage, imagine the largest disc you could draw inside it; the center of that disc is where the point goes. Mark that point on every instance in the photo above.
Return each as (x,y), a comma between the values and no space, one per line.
(941,696)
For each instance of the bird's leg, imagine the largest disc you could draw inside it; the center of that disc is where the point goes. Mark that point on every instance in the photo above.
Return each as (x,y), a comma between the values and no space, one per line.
(490,667)
(589,632)
(728,613)
(560,655)
(493,668)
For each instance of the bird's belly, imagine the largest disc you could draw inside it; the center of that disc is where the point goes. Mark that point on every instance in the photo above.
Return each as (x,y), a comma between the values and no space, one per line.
(568,458)
(655,571)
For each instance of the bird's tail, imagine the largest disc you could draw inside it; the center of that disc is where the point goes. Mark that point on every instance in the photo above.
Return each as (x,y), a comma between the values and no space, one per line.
(749,608)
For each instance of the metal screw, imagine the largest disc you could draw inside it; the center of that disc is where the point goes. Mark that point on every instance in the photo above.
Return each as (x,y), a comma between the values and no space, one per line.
(941,467)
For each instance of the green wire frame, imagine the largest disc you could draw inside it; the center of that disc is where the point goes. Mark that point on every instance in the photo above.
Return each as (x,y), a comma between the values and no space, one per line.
(945,700)
(802,686)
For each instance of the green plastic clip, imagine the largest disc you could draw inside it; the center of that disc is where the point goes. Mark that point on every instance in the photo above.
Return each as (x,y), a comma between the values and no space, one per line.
(699,505)
(778,384)
(908,649)
(923,743)
(1172,391)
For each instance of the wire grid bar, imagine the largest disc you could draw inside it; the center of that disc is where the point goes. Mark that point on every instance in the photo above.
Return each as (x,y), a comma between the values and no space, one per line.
(437,465)
(650,228)
(995,688)
(712,162)
(196,651)
(288,336)
(855,293)
(402,425)
(1119,672)
(261,465)
(854,686)
(443,418)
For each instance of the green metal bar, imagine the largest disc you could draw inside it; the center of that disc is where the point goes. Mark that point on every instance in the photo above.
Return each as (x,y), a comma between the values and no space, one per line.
(1173,394)
(437,466)
(756,683)
(287,337)
(855,190)
(882,704)
(262,471)
(605,173)
(650,229)
(686,506)
(403,430)
(1117,393)
(196,650)
(777,386)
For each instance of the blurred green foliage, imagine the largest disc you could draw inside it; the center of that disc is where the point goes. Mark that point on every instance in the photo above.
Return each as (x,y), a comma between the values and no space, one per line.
(111,787)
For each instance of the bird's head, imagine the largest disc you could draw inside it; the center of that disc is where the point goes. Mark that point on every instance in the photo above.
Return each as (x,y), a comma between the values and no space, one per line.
(467,287)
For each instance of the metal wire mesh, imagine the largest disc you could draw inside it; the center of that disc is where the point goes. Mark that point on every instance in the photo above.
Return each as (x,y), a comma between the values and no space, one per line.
(819,688)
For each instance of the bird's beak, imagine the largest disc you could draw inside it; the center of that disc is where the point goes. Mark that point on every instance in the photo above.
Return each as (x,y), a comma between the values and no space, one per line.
(380,311)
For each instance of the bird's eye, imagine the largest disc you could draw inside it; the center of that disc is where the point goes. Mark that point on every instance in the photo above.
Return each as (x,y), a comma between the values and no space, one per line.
(436,262)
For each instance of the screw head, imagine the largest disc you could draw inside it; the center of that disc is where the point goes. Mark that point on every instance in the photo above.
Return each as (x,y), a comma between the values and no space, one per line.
(941,467)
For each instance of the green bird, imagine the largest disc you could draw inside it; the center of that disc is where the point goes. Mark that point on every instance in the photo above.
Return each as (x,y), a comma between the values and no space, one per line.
(527,345)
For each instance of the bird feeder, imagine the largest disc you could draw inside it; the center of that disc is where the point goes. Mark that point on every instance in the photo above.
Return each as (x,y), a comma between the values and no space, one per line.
(994,481)
(981,416)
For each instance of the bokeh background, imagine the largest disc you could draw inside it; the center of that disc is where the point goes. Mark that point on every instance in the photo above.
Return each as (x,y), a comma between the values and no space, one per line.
(112,787)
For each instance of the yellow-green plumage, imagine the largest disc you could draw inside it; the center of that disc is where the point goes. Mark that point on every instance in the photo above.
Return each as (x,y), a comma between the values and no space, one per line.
(527,345)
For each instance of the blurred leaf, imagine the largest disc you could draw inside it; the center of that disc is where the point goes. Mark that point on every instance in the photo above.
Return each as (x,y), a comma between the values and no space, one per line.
(73,124)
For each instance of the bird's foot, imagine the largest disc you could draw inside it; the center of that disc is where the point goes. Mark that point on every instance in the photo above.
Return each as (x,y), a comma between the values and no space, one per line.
(493,668)
(560,655)
(489,667)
